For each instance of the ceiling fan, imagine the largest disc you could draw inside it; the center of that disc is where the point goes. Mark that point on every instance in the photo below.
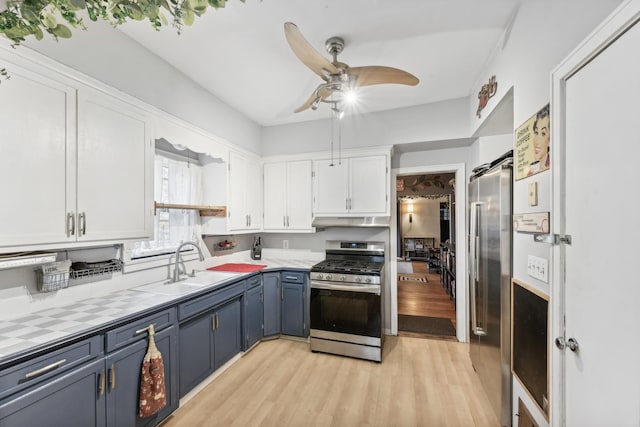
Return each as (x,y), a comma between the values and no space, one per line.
(338,77)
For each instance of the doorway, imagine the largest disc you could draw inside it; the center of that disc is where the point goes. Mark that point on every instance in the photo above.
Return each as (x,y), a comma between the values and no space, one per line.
(418,287)
(425,229)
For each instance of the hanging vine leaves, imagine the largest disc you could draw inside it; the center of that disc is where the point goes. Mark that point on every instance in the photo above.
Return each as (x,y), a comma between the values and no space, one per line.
(34,18)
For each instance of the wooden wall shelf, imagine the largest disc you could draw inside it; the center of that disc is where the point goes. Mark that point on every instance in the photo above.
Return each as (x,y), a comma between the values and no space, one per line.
(220,211)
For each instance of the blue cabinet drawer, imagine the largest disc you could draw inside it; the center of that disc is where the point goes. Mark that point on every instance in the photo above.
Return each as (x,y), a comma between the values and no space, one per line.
(133,331)
(205,302)
(49,365)
(254,281)
(293,276)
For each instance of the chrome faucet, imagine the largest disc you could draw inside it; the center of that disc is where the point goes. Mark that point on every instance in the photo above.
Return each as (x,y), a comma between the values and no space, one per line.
(176,271)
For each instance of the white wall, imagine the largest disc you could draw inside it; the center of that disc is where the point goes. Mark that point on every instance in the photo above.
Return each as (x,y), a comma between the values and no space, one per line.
(430,122)
(110,56)
(543,33)
(426,219)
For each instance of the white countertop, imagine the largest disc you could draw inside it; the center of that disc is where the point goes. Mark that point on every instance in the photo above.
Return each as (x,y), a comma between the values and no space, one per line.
(45,326)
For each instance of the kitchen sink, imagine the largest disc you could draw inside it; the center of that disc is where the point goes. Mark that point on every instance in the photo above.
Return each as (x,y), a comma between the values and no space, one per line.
(186,285)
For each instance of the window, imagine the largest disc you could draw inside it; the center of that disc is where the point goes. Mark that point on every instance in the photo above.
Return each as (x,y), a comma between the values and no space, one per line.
(178,180)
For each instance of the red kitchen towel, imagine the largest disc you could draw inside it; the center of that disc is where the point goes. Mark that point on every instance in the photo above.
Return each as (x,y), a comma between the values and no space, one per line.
(238,268)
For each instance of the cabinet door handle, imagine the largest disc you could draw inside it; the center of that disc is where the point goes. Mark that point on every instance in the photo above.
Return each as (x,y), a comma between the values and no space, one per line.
(71,224)
(217,321)
(45,369)
(82,224)
(284,221)
(287,221)
(213,322)
(261,297)
(102,382)
(281,293)
(249,220)
(112,377)
(346,204)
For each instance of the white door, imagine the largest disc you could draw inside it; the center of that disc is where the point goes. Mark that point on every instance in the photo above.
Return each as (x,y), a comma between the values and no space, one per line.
(369,185)
(299,193)
(275,197)
(602,285)
(37,146)
(331,187)
(115,169)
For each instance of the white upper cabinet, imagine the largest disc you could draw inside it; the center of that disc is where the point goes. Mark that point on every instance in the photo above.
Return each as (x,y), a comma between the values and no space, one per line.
(245,193)
(69,181)
(356,186)
(115,169)
(37,137)
(288,196)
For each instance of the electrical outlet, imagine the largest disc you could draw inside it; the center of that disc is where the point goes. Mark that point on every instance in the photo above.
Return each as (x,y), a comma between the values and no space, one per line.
(285,244)
(538,268)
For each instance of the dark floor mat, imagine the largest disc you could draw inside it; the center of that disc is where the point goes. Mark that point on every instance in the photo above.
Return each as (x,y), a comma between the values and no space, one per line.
(426,325)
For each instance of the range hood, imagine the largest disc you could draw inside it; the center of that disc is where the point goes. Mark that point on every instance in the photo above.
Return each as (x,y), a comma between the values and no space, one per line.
(360,221)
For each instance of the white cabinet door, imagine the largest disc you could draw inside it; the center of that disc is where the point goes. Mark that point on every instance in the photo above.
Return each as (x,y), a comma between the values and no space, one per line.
(237,176)
(299,195)
(369,185)
(331,189)
(37,140)
(275,196)
(245,193)
(288,196)
(253,194)
(115,169)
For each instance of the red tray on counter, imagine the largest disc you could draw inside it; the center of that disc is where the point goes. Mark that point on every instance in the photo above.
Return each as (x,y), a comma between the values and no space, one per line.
(238,268)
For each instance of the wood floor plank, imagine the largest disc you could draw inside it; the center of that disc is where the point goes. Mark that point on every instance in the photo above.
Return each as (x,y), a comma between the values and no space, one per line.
(420,382)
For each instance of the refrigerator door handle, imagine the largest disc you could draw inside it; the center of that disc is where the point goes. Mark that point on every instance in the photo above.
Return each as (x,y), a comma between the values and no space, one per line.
(475,249)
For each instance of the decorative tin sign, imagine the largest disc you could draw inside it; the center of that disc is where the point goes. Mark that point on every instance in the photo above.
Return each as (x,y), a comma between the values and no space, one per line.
(486,92)
(537,222)
(531,154)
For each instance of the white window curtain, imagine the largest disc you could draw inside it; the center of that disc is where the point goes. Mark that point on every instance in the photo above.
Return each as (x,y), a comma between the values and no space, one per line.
(177,180)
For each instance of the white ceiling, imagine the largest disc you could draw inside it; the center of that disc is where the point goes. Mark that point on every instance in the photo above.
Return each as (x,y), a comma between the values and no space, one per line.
(240,53)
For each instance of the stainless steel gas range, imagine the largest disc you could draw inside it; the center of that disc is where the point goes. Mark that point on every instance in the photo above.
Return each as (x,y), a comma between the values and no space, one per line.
(347,300)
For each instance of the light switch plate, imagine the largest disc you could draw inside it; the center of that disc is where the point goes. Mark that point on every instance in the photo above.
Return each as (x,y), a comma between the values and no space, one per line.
(533,194)
(538,268)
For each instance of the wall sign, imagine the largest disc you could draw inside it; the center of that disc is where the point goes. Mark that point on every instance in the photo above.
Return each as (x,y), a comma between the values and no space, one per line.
(486,92)
(533,144)
(531,222)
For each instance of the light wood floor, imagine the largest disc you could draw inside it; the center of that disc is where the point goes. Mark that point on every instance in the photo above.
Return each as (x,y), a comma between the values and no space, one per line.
(425,299)
(420,382)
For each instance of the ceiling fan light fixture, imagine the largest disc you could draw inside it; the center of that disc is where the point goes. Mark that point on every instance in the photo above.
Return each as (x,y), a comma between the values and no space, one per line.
(350,97)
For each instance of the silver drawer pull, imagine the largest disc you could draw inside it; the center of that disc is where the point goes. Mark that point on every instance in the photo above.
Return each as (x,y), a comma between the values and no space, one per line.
(290,277)
(45,369)
(139,331)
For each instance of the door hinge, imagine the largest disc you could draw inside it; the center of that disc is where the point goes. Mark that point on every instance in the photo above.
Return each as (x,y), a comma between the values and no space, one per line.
(552,239)
(313,174)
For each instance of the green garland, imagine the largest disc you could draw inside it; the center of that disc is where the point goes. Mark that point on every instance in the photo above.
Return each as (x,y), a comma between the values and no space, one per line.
(24,18)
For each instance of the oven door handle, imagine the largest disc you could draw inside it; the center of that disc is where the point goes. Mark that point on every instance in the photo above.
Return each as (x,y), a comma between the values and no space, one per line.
(333,286)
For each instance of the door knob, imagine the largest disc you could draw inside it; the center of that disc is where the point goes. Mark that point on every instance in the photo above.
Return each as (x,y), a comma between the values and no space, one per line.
(572,344)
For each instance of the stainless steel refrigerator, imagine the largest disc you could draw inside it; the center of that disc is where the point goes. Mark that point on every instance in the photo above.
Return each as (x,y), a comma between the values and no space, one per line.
(490,223)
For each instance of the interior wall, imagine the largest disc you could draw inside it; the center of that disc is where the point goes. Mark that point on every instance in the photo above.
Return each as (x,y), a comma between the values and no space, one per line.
(425,219)
(108,55)
(430,122)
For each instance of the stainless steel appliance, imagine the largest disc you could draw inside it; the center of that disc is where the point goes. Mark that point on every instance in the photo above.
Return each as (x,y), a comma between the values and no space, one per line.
(490,191)
(347,300)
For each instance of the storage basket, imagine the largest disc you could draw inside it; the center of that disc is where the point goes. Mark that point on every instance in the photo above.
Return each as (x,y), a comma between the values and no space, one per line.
(54,276)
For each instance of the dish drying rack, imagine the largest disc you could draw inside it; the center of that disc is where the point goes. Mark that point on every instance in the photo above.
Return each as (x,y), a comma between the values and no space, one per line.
(81,270)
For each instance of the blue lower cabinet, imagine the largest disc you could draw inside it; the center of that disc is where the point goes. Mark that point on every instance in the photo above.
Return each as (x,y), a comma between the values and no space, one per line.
(207,341)
(76,398)
(272,300)
(253,315)
(123,371)
(294,303)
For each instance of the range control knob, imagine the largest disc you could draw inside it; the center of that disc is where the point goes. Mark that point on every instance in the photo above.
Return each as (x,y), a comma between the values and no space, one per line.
(358,279)
(342,278)
(320,276)
(367,280)
(328,277)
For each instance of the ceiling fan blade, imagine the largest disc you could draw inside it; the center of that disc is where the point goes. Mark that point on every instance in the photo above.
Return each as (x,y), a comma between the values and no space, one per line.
(377,75)
(306,53)
(319,94)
